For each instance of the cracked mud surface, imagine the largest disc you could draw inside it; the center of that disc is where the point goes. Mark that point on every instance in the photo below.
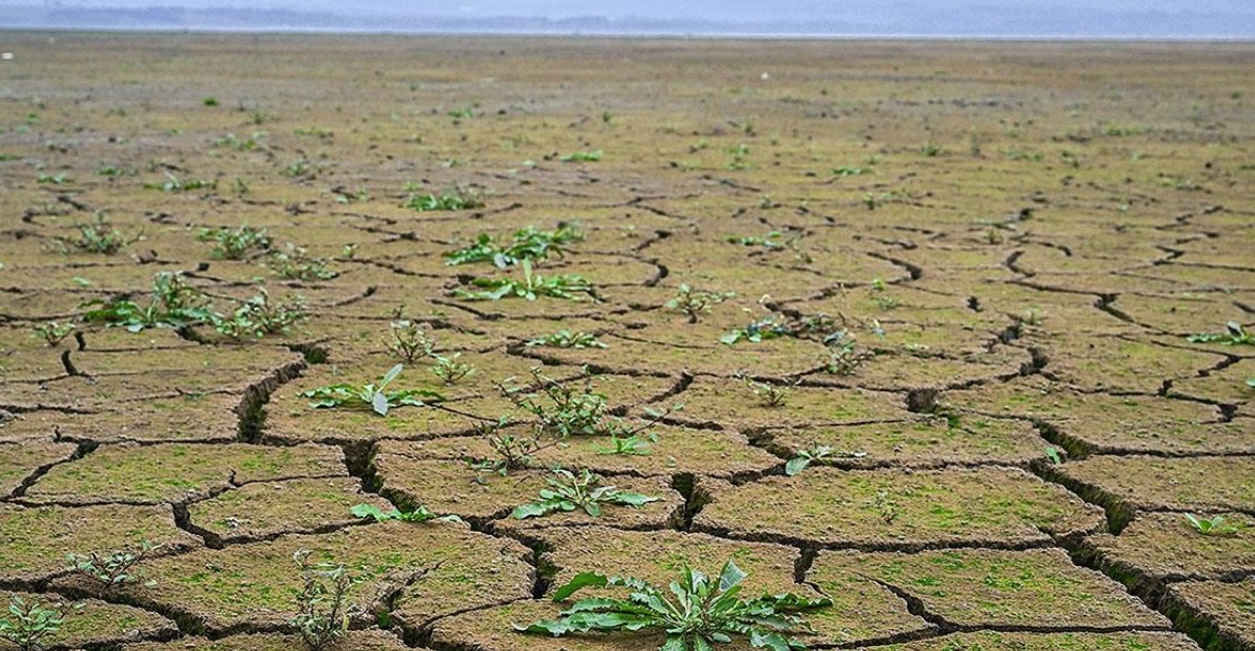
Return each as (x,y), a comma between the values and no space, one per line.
(1017,242)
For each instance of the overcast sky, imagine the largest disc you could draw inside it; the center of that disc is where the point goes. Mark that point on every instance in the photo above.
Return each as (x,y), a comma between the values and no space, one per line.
(1114,17)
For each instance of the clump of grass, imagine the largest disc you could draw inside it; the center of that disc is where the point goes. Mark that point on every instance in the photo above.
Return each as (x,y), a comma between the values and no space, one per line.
(234,243)
(455,198)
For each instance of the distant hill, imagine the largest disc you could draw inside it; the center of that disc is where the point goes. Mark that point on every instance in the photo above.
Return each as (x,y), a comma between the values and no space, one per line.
(920,20)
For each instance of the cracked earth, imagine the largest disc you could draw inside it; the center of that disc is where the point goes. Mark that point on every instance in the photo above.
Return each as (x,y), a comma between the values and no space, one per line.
(1018,240)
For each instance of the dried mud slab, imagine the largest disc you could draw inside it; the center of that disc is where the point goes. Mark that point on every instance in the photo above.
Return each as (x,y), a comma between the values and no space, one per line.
(94,623)
(1037,589)
(665,451)
(440,568)
(1218,615)
(450,486)
(21,461)
(862,609)
(1091,423)
(1157,548)
(916,443)
(1126,484)
(996,641)
(175,473)
(267,509)
(355,640)
(1116,364)
(729,403)
(1226,386)
(900,510)
(34,541)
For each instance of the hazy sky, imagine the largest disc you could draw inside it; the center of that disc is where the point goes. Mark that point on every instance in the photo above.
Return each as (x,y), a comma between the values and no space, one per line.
(725,9)
(1059,17)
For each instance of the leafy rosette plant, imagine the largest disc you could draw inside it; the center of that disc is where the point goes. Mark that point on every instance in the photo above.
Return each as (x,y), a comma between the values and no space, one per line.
(695,612)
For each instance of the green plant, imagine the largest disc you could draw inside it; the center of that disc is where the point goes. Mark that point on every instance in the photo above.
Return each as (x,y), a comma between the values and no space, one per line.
(694,303)
(258,317)
(633,445)
(804,458)
(771,327)
(769,241)
(112,569)
(450,370)
(409,341)
(566,339)
(174,304)
(695,612)
(53,332)
(1233,335)
(568,287)
(419,514)
(378,398)
(298,168)
(513,452)
(209,101)
(885,506)
(582,157)
(175,184)
(323,611)
(769,395)
(1250,382)
(295,263)
(1213,526)
(525,244)
(844,358)
(234,243)
(98,237)
(28,624)
(560,409)
(455,198)
(930,150)
(584,491)
(849,170)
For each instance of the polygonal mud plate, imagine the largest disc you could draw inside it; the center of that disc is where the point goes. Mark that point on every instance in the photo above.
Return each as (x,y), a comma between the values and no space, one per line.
(665,450)
(90,622)
(918,443)
(267,509)
(34,541)
(1128,483)
(493,630)
(1219,615)
(1159,547)
(174,472)
(1227,385)
(1101,423)
(783,357)
(21,461)
(451,486)
(442,568)
(995,641)
(730,403)
(903,372)
(354,640)
(1119,363)
(899,510)
(998,589)
(232,361)
(862,610)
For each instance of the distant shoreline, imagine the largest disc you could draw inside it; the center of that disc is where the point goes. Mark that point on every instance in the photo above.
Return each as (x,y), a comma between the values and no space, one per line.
(628,35)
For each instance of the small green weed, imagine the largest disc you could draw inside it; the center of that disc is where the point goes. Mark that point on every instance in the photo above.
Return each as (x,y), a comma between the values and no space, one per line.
(525,244)
(53,332)
(409,341)
(323,611)
(567,339)
(1234,335)
(804,458)
(98,237)
(584,491)
(295,263)
(455,198)
(28,624)
(531,286)
(694,303)
(173,304)
(582,157)
(695,612)
(1213,526)
(234,243)
(112,569)
(258,316)
(450,369)
(377,398)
